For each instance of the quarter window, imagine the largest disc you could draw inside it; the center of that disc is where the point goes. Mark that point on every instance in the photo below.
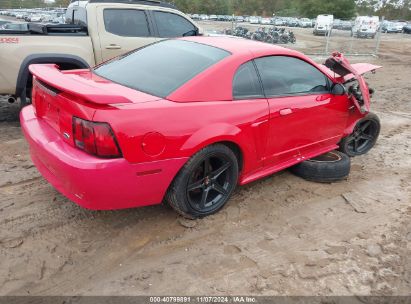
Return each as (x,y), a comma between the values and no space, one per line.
(282,75)
(171,25)
(246,83)
(126,22)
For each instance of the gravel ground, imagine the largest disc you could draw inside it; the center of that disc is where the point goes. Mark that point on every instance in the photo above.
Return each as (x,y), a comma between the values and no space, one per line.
(278,236)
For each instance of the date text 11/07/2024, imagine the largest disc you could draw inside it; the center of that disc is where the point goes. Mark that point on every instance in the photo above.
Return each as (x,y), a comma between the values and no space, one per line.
(204,299)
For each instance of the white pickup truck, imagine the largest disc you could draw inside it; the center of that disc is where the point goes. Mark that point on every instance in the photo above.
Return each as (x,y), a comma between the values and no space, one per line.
(96,31)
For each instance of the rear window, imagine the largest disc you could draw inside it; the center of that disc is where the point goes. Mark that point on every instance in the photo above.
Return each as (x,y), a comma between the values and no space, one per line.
(161,68)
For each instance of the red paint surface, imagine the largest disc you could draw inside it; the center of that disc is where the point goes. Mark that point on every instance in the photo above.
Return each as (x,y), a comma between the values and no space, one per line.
(157,136)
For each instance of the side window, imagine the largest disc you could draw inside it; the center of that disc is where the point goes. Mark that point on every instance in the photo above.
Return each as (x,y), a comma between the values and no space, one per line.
(282,75)
(171,25)
(76,15)
(246,84)
(126,22)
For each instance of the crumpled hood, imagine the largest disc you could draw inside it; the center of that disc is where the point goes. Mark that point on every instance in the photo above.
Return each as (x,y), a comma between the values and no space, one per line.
(342,71)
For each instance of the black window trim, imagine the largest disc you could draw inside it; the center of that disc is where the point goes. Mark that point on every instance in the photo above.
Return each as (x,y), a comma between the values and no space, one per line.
(156,33)
(328,80)
(247,97)
(149,23)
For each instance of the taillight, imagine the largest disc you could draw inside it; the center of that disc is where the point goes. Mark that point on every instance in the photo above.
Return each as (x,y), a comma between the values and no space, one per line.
(95,138)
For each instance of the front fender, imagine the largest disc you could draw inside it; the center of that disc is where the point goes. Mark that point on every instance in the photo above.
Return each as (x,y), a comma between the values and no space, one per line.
(352,121)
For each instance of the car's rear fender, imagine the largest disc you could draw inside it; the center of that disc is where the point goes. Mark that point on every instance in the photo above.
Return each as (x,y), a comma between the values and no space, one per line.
(225,133)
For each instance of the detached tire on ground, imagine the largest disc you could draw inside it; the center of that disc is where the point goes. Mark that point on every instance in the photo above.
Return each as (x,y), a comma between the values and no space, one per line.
(329,167)
(205,183)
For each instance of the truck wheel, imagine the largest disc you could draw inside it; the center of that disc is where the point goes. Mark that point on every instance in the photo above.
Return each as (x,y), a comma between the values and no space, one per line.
(363,138)
(205,183)
(329,167)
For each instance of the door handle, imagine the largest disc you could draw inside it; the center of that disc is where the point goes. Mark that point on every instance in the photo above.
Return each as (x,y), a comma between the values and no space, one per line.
(285,112)
(113,47)
(322,98)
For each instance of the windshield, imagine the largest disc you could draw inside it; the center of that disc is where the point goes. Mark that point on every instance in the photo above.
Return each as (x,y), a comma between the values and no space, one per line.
(161,68)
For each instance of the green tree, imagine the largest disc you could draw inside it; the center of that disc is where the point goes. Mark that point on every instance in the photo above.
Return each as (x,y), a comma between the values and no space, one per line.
(366,7)
(343,9)
(61,3)
(21,4)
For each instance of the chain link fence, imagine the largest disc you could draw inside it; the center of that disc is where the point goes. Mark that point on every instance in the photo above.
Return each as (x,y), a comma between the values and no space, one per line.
(337,40)
(347,43)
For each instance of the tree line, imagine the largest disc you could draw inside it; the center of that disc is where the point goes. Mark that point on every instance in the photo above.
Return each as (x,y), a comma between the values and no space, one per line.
(268,8)
(399,9)
(344,9)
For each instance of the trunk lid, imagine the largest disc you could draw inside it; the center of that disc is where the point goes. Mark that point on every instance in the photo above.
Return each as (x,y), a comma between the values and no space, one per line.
(58,96)
(87,86)
(345,71)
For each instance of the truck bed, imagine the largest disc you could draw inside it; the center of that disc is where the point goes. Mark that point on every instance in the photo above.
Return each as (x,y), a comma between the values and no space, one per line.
(50,30)
(17,49)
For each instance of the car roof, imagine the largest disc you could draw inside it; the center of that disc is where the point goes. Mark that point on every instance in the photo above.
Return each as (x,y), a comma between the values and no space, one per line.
(241,46)
(215,83)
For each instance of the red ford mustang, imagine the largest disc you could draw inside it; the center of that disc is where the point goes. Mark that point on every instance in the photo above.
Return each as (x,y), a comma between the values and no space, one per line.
(186,120)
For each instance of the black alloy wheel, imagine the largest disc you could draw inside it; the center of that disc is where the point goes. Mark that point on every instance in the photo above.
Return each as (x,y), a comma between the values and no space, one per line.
(363,138)
(205,183)
(209,183)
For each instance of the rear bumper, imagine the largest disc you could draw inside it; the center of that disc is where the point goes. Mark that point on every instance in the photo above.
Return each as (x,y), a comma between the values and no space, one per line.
(320,31)
(366,34)
(91,182)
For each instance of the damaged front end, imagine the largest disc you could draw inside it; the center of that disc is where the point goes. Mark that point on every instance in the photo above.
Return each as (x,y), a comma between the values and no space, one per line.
(351,76)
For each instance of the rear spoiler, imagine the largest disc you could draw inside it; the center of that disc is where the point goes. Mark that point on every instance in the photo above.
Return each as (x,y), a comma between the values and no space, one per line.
(88,90)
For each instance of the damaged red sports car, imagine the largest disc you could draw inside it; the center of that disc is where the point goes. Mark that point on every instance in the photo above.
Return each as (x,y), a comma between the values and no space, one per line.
(186,120)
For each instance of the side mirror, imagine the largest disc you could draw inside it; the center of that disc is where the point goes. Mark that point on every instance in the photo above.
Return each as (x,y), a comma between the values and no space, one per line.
(338,89)
(200,32)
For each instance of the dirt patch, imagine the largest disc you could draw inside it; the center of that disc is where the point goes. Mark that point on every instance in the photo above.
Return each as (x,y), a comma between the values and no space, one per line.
(278,236)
